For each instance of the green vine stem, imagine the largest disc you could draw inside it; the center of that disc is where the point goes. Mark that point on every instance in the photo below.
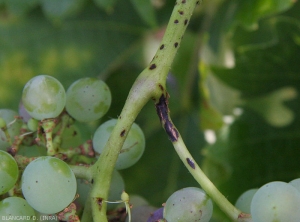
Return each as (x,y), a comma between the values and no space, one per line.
(81,171)
(233,213)
(48,126)
(151,84)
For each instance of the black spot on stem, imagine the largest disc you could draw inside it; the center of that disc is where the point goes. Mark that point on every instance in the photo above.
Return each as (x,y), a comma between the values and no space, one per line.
(122,133)
(153,66)
(190,162)
(162,46)
(176,21)
(176,44)
(99,201)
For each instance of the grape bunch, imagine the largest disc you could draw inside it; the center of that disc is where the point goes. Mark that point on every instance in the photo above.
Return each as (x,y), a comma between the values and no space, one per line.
(42,144)
(275,201)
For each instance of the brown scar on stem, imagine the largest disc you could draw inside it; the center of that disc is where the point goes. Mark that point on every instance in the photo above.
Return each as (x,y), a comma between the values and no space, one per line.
(99,201)
(163,114)
(122,133)
(153,66)
(244,215)
(161,87)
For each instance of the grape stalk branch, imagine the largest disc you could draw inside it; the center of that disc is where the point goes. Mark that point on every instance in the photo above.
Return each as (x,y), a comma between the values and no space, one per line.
(151,84)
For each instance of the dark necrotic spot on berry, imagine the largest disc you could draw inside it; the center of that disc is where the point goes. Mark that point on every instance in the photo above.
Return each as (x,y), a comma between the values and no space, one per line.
(162,46)
(122,133)
(186,21)
(176,21)
(153,66)
(176,44)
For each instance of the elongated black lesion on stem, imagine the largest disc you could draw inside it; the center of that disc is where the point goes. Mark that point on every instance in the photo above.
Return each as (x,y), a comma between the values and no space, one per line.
(163,114)
(190,163)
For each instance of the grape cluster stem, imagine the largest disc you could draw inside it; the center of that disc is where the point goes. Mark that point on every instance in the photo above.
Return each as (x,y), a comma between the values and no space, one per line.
(151,84)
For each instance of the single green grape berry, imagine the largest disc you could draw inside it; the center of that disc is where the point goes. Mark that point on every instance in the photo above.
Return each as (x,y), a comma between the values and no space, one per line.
(33,124)
(276,201)
(9,172)
(44,97)
(48,184)
(15,209)
(88,99)
(188,204)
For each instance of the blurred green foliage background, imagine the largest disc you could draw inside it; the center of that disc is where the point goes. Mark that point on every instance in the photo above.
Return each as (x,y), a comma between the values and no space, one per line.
(234,83)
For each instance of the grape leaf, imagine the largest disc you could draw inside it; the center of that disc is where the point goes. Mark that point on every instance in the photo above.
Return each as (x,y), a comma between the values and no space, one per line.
(61,8)
(19,7)
(260,70)
(145,10)
(247,14)
(107,5)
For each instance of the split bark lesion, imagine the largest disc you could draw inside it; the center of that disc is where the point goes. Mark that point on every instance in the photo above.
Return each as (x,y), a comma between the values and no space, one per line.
(163,111)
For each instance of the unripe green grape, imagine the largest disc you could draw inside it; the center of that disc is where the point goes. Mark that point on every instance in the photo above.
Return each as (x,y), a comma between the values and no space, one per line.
(133,147)
(44,97)
(243,203)
(9,172)
(48,184)
(88,99)
(15,209)
(276,201)
(296,183)
(71,137)
(32,124)
(188,204)
(13,126)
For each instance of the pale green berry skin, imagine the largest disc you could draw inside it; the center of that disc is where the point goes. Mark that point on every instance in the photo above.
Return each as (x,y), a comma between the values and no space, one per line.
(243,203)
(48,184)
(44,97)
(276,201)
(296,183)
(13,130)
(16,207)
(88,99)
(9,172)
(188,204)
